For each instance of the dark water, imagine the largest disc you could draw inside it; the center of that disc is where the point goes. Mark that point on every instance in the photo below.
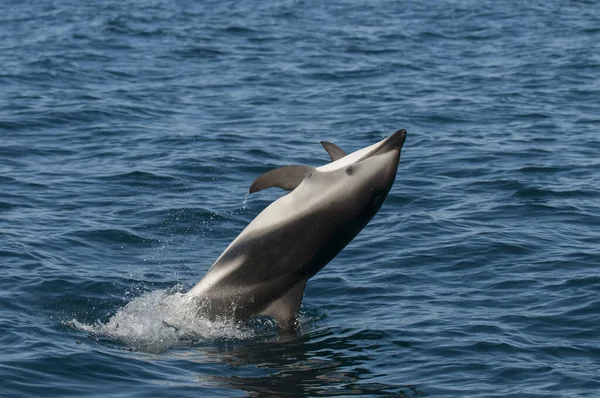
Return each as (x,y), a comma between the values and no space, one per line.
(131,131)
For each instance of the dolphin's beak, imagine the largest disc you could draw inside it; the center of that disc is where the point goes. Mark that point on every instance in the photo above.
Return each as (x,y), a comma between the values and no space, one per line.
(393,142)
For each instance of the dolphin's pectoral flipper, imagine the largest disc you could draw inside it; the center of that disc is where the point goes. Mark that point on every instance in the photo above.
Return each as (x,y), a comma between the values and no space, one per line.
(286,177)
(334,151)
(286,307)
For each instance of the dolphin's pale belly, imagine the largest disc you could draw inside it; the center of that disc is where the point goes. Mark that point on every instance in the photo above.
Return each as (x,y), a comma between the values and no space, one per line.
(259,267)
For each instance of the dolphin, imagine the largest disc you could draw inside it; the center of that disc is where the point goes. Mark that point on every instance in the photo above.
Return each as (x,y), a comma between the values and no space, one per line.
(264,271)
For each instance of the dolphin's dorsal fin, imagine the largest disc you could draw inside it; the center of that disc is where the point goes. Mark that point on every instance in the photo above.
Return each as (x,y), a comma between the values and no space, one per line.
(286,177)
(334,151)
(285,309)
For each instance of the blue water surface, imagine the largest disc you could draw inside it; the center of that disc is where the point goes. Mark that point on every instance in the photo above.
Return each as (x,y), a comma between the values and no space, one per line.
(131,130)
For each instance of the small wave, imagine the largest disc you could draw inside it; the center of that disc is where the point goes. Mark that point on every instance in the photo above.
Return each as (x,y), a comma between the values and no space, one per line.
(138,177)
(162,319)
(534,192)
(5,206)
(111,235)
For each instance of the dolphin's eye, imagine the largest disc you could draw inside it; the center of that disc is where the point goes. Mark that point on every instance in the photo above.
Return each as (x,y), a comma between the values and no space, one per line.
(350,170)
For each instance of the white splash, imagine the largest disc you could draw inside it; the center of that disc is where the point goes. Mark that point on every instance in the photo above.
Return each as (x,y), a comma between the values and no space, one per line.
(245,202)
(160,320)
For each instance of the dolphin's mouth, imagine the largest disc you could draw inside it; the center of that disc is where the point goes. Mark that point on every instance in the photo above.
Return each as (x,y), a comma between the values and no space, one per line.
(393,142)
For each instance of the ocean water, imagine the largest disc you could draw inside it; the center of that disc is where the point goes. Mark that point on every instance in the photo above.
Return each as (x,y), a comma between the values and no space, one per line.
(131,130)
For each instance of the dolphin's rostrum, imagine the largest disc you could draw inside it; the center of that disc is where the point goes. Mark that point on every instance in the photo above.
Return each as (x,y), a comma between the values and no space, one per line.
(265,269)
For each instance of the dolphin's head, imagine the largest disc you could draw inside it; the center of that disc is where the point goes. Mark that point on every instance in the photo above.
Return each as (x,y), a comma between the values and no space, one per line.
(378,167)
(362,179)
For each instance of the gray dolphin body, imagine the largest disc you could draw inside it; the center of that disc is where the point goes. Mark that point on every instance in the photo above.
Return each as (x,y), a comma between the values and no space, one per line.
(265,269)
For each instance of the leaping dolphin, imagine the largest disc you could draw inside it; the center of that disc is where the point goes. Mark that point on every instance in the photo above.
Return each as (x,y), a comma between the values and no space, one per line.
(265,269)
